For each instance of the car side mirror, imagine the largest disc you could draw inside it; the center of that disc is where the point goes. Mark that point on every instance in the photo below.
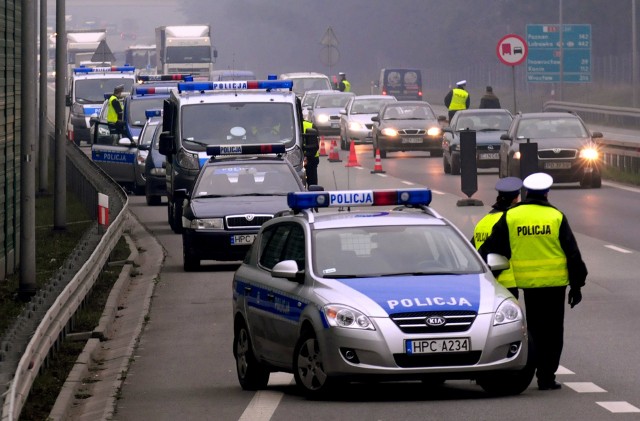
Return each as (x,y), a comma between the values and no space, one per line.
(287,269)
(447,130)
(144,147)
(497,262)
(67,100)
(125,141)
(166,144)
(596,135)
(505,137)
(343,112)
(180,195)
(94,120)
(375,118)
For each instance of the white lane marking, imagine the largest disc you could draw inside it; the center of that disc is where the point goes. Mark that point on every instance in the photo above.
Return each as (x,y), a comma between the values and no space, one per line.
(563,370)
(618,407)
(585,387)
(408,182)
(620,249)
(381,175)
(265,402)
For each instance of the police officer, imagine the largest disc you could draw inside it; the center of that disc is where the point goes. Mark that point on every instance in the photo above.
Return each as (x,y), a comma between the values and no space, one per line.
(115,112)
(344,85)
(508,191)
(545,258)
(265,130)
(311,153)
(457,99)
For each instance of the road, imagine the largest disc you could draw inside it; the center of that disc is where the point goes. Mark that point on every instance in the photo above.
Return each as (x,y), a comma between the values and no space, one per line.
(184,368)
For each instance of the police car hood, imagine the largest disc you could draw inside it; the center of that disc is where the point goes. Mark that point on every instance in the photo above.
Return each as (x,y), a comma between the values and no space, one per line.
(384,296)
(234,205)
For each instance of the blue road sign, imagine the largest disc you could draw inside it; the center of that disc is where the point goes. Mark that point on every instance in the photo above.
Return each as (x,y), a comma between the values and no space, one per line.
(543,61)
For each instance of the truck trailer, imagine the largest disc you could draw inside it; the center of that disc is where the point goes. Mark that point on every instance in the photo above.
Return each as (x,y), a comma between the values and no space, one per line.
(185,49)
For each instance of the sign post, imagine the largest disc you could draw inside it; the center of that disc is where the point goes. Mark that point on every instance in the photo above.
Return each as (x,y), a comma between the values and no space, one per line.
(512,50)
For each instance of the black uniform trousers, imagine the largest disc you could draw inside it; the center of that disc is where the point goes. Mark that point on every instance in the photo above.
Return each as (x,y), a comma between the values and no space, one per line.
(312,170)
(545,320)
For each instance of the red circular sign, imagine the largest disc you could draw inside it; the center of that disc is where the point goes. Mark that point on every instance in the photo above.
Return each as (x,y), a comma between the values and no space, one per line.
(512,49)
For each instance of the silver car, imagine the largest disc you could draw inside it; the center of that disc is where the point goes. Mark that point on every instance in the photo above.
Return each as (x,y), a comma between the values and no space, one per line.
(384,294)
(355,119)
(325,111)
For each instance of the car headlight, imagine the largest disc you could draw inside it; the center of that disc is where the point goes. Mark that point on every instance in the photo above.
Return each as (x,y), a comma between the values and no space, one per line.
(158,171)
(516,155)
(508,312)
(187,160)
(206,224)
(387,131)
(342,316)
(434,131)
(354,125)
(322,118)
(590,154)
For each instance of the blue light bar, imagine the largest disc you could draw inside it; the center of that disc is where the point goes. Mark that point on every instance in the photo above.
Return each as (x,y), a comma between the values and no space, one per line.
(275,148)
(120,69)
(325,199)
(156,112)
(234,85)
(148,90)
(155,78)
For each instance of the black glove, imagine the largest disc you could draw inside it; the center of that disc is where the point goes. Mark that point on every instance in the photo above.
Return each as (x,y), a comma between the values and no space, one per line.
(575,296)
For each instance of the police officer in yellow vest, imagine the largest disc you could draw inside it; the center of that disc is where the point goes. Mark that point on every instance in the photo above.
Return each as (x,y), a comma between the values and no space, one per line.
(457,99)
(311,152)
(115,112)
(344,85)
(508,191)
(545,258)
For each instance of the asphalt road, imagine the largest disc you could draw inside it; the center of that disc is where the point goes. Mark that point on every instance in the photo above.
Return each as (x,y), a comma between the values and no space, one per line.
(184,368)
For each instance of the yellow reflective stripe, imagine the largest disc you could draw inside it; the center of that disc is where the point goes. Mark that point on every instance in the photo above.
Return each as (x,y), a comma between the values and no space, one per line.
(542,262)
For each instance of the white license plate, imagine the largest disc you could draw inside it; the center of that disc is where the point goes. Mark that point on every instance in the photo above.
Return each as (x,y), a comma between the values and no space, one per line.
(557,165)
(433,346)
(412,140)
(244,239)
(335,125)
(489,156)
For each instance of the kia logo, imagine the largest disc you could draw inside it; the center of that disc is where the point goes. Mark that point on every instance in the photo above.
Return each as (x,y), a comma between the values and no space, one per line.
(435,321)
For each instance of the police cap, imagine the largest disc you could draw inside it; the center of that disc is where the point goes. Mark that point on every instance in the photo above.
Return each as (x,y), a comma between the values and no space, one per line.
(341,74)
(509,185)
(539,182)
(461,83)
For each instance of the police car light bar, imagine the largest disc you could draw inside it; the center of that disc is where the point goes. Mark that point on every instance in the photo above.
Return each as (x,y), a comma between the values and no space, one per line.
(156,112)
(153,90)
(215,150)
(155,78)
(235,85)
(326,199)
(104,69)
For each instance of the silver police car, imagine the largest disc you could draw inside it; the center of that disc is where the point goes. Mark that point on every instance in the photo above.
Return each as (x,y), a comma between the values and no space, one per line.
(392,293)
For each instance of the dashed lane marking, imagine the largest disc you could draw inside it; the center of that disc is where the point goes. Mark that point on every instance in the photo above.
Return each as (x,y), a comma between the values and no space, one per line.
(563,370)
(616,248)
(265,402)
(585,387)
(618,407)
(407,182)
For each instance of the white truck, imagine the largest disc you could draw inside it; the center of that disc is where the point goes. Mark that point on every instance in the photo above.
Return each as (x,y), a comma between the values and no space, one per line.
(185,49)
(81,45)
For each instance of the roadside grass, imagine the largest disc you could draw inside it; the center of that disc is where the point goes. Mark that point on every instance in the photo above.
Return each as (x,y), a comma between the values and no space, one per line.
(615,174)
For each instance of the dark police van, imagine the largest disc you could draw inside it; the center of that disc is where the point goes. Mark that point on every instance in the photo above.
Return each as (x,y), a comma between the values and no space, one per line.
(404,84)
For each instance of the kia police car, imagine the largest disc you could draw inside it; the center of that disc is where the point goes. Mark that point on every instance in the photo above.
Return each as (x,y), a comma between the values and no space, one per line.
(231,198)
(373,295)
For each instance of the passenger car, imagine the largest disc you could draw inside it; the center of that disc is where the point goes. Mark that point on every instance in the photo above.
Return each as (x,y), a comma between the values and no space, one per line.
(374,294)
(307,81)
(489,125)
(406,126)
(566,149)
(355,119)
(307,101)
(231,198)
(325,111)
(154,164)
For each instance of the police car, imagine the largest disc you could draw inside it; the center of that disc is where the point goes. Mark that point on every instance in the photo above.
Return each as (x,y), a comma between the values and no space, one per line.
(154,164)
(235,193)
(375,294)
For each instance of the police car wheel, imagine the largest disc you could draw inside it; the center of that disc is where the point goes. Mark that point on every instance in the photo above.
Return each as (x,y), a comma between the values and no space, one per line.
(251,374)
(308,367)
(175,218)
(507,383)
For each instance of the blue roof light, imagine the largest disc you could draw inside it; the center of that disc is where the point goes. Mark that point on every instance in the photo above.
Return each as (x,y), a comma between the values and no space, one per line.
(325,199)
(150,90)
(111,69)
(155,78)
(234,85)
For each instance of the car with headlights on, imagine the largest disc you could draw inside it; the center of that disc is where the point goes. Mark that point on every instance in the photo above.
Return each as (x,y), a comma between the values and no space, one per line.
(325,111)
(406,126)
(567,150)
(355,119)
(383,289)
(488,124)
(237,190)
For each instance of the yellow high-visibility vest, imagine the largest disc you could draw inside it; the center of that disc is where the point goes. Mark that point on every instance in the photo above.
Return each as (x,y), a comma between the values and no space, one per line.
(112,115)
(459,99)
(481,232)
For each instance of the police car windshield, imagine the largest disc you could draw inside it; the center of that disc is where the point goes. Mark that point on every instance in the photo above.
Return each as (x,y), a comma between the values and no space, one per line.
(265,122)
(392,250)
(137,107)
(242,179)
(91,91)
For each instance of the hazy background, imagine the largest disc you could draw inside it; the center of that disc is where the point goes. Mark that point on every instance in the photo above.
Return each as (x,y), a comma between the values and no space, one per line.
(448,39)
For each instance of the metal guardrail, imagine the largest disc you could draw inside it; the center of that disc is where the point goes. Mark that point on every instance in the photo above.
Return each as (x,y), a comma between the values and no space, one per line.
(47,318)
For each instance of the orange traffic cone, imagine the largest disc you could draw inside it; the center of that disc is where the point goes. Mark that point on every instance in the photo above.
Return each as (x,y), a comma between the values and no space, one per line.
(334,155)
(377,169)
(323,151)
(353,158)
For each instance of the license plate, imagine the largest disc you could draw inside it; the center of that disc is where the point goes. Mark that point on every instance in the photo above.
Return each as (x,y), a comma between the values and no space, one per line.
(557,165)
(412,140)
(244,239)
(433,346)
(335,125)
(489,156)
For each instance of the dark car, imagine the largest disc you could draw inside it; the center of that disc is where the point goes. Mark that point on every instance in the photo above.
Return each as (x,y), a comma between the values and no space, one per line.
(231,198)
(566,149)
(154,165)
(488,124)
(406,126)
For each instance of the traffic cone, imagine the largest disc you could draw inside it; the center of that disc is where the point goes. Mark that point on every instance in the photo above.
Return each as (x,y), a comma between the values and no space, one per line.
(334,155)
(353,158)
(323,151)
(377,169)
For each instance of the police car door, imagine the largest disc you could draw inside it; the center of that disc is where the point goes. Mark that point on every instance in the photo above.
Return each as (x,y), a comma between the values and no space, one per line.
(115,155)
